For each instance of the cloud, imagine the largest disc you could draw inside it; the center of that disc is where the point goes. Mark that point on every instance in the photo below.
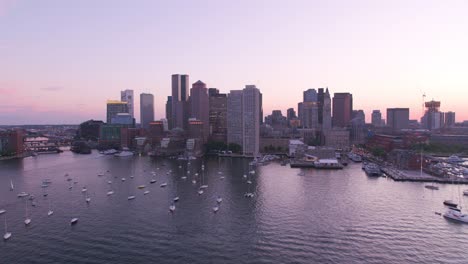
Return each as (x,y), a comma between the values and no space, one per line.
(52,88)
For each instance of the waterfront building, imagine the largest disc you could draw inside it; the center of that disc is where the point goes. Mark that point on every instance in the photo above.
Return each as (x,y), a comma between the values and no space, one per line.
(127,96)
(199,104)
(217,113)
(89,130)
(376,118)
(11,142)
(146,109)
(180,111)
(398,118)
(338,138)
(156,132)
(110,136)
(342,109)
(115,107)
(234,117)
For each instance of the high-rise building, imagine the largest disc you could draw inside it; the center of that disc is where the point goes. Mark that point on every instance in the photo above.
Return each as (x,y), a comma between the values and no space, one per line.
(376,118)
(325,111)
(115,107)
(127,96)
(218,112)
(310,115)
(261,108)
(243,119)
(180,111)
(449,119)
(251,101)
(199,104)
(310,95)
(234,117)
(398,118)
(342,109)
(146,109)
(433,118)
(169,112)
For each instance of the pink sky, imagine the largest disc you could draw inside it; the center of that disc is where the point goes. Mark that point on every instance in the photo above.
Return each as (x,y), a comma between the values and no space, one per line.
(61,60)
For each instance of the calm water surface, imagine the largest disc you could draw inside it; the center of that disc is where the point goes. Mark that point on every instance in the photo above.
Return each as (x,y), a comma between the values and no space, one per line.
(311,217)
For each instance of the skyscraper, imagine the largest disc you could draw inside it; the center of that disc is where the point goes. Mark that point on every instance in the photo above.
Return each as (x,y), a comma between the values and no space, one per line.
(146,109)
(169,112)
(251,119)
(342,109)
(398,118)
(218,112)
(234,117)
(127,96)
(310,95)
(199,106)
(325,111)
(376,118)
(180,100)
(115,107)
(449,119)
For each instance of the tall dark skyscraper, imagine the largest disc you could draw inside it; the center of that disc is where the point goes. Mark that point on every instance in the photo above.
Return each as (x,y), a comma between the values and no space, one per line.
(342,109)
(180,88)
(146,109)
(218,112)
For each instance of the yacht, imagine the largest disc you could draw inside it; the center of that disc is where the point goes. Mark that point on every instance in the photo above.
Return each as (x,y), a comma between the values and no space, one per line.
(456,214)
(454,159)
(7,234)
(124,153)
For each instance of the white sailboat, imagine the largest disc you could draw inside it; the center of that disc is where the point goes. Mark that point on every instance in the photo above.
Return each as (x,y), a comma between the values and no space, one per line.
(7,234)
(176,199)
(27,221)
(50,212)
(215,209)
(172,208)
(11,185)
(219,199)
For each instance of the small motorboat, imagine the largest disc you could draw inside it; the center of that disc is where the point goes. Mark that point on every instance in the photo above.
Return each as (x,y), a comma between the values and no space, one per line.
(27,221)
(450,203)
(123,179)
(194,181)
(183,177)
(152,181)
(2,211)
(50,213)
(204,186)
(176,199)
(249,195)
(110,193)
(164,184)
(200,192)
(100,174)
(74,221)
(6,236)
(219,199)
(457,215)
(88,199)
(22,194)
(84,189)
(215,209)
(249,182)
(109,182)
(146,192)
(131,197)
(141,186)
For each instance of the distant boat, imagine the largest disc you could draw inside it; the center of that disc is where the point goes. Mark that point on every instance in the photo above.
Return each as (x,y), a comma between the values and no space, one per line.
(73,221)
(88,199)
(123,179)
(7,234)
(454,159)
(109,182)
(84,189)
(215,209)
(22,194)
(249,195)
(2,211)
(194,181)
(152,181)
(27,221)
(183,177)
(176,199)
(110,193)
(249,182)
(204,186)
(450,203)
(219,199)
(465,192)
(141,186)
(200,192)
(172,208)
(100,174)
(164,184)
(11,185)
(431,187)
(124,153)
(146,192)
(131,197)
(50,212)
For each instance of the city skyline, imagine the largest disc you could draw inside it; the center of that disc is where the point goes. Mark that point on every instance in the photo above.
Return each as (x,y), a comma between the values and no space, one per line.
(59,67)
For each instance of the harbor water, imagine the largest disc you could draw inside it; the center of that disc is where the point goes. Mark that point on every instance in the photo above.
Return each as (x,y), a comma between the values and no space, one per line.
(295,215)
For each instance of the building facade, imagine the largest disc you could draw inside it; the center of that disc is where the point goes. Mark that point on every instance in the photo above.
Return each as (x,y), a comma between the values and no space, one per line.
(251,120)
(146,109)
(376,118)
(115,107)
(199,106)
(218,114)
(342,109)
(127,96)
(398,118)
(180,111)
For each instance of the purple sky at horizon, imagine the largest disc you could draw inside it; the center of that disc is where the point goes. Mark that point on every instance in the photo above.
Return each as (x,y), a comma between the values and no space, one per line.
(61,60)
